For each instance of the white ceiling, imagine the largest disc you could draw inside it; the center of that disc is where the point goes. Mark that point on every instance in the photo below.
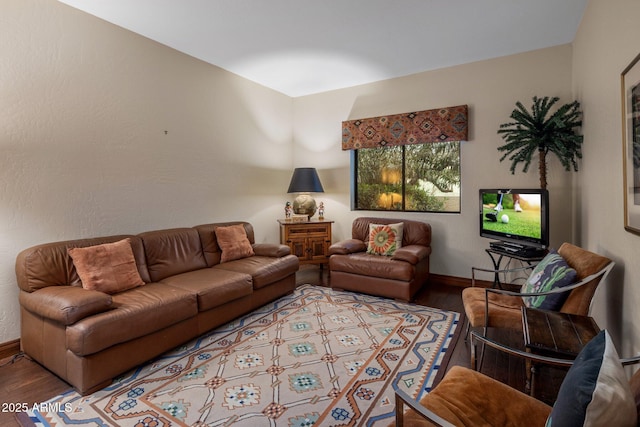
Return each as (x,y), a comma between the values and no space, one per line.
(301,47)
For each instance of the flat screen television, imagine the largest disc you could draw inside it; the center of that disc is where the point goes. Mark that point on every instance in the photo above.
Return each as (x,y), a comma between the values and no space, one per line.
(519,217)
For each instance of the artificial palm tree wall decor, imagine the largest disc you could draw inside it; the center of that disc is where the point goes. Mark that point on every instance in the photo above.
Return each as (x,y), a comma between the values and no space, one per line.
(531,132)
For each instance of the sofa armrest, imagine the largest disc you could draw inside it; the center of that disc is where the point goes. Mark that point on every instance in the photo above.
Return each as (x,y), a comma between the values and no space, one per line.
(346,247)
(275,250)
(65,304)
(412,253)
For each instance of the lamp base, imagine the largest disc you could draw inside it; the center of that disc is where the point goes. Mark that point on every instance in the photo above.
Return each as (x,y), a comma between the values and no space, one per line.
(304,204)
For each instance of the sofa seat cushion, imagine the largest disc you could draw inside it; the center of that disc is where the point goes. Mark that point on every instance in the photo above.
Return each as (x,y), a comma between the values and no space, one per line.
(213,287)
(263,270)
(505,310)
(365,264)
(136,312)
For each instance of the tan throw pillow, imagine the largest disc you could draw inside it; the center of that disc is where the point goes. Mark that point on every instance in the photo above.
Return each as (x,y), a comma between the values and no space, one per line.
(233,242)
(385,239)
(108,268)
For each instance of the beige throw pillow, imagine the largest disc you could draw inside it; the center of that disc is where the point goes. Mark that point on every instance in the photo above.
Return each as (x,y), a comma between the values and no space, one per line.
(385,239)
(233,242)
(108,268)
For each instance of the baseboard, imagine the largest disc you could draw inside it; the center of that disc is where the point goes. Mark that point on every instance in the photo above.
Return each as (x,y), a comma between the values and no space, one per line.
(9,348)
(463,282)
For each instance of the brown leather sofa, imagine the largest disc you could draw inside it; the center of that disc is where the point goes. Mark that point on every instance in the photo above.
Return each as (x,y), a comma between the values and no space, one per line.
(399,276)
(88,337)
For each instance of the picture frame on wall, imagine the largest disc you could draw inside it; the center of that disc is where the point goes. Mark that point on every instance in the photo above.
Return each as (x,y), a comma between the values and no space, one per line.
(630,82)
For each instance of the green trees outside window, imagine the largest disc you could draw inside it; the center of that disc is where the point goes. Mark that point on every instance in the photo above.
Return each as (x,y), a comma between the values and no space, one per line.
(421,178)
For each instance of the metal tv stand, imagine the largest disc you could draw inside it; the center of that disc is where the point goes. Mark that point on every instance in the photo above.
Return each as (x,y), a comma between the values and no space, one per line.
(498,251)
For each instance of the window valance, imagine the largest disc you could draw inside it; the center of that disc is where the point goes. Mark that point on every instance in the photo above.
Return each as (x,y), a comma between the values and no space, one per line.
(419,127)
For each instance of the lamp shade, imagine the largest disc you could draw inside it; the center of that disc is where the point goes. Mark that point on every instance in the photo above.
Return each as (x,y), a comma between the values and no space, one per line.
(305,180)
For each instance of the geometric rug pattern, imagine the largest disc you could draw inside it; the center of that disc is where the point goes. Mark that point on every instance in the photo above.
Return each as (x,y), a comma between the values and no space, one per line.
(315,357)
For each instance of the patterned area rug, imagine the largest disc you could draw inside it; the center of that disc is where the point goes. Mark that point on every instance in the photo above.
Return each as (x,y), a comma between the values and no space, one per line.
(315,357)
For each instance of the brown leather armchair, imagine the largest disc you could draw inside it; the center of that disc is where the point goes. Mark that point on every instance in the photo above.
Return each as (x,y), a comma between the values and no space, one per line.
(399,276)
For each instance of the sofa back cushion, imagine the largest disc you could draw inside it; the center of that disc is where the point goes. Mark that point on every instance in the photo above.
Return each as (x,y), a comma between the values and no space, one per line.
(172,251)
(210,247)
(414,232)
(49,264)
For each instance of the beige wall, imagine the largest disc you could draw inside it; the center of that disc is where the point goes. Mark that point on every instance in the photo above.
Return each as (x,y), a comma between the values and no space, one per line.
(84,110)
(606,43)
(491,89)
(85,106)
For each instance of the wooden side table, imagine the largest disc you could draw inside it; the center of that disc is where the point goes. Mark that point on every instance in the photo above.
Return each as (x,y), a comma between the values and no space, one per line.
(555,334)
(308,240)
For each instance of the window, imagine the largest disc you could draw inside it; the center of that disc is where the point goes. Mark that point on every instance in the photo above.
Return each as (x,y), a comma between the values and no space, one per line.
(407,162)
(413,178)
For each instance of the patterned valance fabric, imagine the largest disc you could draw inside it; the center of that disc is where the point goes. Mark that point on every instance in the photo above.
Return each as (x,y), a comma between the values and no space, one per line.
(419,127)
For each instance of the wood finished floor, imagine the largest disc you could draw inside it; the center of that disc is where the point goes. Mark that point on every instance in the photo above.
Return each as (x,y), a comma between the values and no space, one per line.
(26,382)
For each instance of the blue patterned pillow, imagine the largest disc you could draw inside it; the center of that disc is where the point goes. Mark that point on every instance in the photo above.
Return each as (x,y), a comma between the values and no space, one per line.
(552,272)
(595,391)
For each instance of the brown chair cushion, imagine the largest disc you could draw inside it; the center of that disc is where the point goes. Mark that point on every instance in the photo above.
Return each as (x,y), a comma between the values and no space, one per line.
(365,264)
(233,242)
(468,398)
(585,263)
(108,268)
(505,310)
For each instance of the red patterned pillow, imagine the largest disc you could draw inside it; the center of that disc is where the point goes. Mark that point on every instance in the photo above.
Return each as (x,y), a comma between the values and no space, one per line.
(108,268)
(233,242)
(384,239)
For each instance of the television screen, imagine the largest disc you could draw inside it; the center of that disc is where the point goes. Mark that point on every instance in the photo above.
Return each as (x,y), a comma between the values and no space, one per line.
(519,216)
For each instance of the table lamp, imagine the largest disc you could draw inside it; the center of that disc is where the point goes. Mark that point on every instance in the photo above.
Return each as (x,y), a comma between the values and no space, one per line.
(305,181)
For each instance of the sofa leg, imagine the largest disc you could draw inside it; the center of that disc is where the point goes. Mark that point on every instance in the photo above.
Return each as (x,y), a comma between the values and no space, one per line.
(399,412)
(96,387)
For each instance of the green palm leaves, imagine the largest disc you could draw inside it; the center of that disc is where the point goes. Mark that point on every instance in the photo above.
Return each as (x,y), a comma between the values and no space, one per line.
(542,132)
